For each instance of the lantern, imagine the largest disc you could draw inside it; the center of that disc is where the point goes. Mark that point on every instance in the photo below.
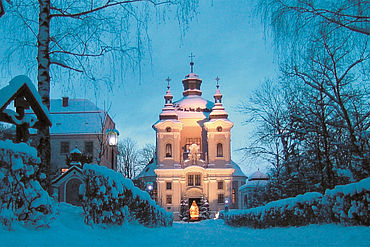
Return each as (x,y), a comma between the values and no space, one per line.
(112,135)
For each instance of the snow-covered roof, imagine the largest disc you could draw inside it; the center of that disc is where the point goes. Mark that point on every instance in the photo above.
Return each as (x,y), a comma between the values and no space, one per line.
(251,184)
(77,123)
(148,171)
(76,151)
(258,176)
(22,86)
(238,172)
(193,106)
(74,105)
(81,116)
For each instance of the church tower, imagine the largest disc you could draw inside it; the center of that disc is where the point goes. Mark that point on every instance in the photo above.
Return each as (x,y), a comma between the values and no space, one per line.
(193,151)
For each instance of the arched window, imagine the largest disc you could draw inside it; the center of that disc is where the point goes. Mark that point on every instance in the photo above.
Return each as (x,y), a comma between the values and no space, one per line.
(168,150)
(220,151)
(234,196)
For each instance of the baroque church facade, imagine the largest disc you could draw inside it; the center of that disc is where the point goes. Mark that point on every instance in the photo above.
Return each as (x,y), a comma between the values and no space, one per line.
(193,152)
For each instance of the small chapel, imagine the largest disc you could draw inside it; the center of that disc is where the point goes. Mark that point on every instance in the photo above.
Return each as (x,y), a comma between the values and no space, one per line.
(193,152)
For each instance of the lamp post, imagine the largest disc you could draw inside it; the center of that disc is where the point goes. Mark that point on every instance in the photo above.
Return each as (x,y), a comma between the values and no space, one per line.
(112,137)
(149,188)
(226,204)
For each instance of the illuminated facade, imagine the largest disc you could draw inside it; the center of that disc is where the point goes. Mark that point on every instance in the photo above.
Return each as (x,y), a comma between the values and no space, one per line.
(193,158)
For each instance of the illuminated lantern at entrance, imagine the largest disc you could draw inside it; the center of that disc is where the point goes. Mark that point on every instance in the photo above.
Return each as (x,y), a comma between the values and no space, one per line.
(194,211)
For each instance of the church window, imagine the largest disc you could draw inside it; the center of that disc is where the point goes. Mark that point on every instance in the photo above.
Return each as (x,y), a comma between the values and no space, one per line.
(219,128)
(234,196)
(197,179)
(168,129)
(190,180)
(220,151)
(220,185)
(168,150)
(168,185)
(220,198)
(169,199)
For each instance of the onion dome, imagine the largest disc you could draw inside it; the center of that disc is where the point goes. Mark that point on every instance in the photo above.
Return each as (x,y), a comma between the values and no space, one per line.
(168,111)
(218,111)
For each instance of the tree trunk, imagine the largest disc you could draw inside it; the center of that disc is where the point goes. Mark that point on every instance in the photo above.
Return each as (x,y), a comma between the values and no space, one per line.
(43,78)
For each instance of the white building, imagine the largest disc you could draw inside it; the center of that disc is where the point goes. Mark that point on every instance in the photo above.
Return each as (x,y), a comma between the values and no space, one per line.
(79,123)
(193,152)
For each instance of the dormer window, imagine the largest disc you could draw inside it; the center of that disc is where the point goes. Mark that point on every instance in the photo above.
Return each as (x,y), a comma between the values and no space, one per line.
(168,150)
(220,151)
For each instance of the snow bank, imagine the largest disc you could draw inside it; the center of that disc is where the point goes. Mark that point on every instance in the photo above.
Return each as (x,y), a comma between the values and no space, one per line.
(346,204)
(108,197)
(21,196)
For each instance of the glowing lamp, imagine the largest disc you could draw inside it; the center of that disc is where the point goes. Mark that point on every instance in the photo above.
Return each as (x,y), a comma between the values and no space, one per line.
(149,186)
(112,135)
(226,200)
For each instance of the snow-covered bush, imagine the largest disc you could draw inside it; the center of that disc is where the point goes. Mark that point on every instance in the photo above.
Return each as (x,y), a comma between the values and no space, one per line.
(204,209)
(21,196)
(110,198)
(347,204)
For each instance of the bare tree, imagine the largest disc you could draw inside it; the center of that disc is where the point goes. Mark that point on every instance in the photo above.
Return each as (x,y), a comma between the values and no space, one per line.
(127,158)
(146,154)
(78,36)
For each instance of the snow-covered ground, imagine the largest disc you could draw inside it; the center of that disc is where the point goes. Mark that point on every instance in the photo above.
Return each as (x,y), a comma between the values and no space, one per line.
(69,230)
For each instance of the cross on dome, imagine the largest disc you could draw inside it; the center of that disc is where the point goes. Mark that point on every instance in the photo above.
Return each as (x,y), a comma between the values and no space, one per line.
(217,79)
(191,62)
(168,82)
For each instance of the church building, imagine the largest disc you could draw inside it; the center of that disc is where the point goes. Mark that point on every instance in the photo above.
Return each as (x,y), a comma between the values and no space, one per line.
(193,152)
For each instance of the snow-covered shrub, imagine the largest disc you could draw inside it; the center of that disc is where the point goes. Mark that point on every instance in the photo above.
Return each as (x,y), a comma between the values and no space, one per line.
(349,204)
(110,198)
(184,210)
(204,209)
(295,211)
(21,196)
(346,204)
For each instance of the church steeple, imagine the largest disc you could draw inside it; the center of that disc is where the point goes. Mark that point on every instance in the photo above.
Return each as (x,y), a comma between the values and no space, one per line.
(218,111)
(192,81)
(168,111)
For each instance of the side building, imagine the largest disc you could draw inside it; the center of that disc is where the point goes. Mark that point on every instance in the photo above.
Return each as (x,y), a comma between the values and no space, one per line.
(193,152)
(79,123)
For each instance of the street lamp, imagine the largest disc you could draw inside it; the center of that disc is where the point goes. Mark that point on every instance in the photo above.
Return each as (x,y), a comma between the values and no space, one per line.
(149,187)
(226,204)
(112,135)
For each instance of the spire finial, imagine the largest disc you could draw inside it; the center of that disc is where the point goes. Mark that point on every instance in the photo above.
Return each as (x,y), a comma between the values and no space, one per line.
(191,62)
(217,79)
(168,82)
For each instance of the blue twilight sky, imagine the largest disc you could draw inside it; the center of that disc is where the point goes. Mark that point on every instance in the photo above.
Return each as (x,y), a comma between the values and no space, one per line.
(227,41)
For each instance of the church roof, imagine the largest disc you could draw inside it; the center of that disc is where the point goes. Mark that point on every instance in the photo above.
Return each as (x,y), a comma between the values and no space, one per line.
(148,170)
(193,106)
(238,172)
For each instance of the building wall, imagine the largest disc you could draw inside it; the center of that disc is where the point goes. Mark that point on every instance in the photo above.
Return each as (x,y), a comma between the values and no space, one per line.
(109,158)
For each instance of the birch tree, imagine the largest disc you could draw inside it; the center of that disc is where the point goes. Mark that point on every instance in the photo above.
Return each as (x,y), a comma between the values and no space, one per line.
(69,37)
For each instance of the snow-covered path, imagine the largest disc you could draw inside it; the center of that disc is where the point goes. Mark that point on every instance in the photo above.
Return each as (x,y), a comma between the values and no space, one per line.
(69,230)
